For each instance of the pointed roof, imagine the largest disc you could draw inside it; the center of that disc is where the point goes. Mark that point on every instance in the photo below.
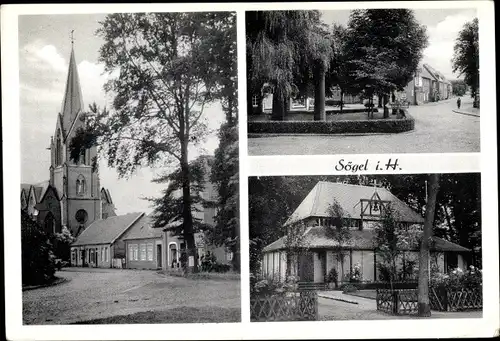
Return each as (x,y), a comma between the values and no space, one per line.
(73,100)
(106,231)
(143,229)
(319,199)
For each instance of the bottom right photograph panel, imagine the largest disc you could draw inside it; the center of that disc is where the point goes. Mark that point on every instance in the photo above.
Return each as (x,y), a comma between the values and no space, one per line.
(365,247)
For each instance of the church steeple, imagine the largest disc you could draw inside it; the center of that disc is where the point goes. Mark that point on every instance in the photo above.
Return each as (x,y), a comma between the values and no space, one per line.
(73,101)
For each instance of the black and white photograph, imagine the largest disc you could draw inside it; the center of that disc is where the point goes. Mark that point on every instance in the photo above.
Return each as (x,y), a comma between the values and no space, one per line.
(362,81)
(129,166)
(365,247)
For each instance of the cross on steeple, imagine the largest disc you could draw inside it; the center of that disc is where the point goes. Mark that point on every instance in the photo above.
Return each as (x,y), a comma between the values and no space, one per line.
(72,37)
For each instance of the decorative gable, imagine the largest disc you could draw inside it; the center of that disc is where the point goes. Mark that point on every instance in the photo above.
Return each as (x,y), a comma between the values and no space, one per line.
(373,207)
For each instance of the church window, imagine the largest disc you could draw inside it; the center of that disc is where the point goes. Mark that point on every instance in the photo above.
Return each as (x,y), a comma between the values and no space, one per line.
(58,149)
(81,160)
(80,185)
(81,216)
(49,223)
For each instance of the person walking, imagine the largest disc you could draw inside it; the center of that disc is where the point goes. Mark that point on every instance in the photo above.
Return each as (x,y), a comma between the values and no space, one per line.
(459,101)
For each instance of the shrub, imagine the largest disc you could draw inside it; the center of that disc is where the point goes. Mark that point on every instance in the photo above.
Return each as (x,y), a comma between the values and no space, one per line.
(333,276)
(349,288)
(387,125)
(269,286)
(458,279)
(38,260)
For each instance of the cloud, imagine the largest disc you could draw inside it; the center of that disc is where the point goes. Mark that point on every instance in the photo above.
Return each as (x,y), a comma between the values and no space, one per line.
(442,39)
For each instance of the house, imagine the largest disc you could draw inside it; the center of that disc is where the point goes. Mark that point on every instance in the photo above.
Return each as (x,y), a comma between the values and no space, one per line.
(72,197)
(441,87)
(101,244)
(363,206)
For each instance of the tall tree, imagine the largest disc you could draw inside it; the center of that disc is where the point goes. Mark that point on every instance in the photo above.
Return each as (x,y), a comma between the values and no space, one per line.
(338,229)
(166,76)
(424,308)
(385,47)
(458,87)
(466,57)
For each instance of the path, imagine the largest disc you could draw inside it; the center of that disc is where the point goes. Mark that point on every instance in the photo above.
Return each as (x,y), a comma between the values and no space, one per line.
(98,293)
(437,130)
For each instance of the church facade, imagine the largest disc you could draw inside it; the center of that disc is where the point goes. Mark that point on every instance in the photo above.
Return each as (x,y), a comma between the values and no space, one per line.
(72,197)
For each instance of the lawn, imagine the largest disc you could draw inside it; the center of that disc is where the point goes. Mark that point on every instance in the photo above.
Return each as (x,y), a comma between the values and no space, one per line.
(176,315)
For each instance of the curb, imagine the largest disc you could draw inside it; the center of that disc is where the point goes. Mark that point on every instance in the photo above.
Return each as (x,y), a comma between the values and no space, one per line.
(337,299)
(57,281)
(254,135)
(465,113)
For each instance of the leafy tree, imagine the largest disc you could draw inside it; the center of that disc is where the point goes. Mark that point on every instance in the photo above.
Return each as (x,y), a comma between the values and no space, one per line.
(424,308)
(338,229)
(466,57)
(458,87)
(280,46)
(225,176)
(384,48)
(167,73)
(295,244)
(62,243)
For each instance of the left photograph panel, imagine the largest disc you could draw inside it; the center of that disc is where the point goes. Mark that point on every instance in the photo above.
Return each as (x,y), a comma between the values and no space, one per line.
(129,168)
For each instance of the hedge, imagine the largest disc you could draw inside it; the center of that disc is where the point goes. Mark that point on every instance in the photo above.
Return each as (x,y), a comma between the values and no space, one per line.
(387,125)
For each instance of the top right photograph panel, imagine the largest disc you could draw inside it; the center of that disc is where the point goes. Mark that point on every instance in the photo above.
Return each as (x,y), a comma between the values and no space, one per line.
(364,81)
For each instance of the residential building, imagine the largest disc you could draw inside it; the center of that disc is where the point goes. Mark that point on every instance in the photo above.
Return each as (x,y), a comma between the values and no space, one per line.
(363,207)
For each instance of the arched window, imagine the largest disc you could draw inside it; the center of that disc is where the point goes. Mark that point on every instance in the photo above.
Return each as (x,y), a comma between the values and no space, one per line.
(81,216)
(81,160)
(58,148)
(49,223)
(81,186)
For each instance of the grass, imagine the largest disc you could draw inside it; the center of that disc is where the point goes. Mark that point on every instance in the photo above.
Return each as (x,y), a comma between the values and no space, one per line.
(175,315)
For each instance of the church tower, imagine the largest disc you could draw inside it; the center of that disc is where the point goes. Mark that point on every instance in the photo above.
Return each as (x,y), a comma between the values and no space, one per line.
(76,183)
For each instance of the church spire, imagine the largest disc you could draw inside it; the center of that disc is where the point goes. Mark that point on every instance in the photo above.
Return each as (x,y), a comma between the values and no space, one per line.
(72,101)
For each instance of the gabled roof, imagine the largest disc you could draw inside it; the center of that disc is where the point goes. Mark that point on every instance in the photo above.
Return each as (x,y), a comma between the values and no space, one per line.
(143,229)
(319,199)
(73,100)
(106,231)
(316,237)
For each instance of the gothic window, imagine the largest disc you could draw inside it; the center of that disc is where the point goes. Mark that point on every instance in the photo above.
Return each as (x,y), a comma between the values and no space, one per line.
(81,160)
(81,216)
(49,223)
(81,186)
(58,149)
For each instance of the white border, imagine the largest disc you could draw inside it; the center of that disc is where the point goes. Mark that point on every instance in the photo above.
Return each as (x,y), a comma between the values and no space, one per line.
(413,163)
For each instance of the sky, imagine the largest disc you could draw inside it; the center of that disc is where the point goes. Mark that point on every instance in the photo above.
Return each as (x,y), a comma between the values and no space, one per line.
(44,50)
(442,25)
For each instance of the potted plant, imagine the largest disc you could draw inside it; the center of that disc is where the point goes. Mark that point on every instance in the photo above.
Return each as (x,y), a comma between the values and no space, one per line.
(332,279)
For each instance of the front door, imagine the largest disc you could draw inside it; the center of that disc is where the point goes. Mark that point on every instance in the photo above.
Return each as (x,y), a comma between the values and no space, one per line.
(306,267)
(158,256)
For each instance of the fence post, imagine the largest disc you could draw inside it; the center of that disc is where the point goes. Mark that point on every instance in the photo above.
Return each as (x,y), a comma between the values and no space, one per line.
(445,299)
(395,302)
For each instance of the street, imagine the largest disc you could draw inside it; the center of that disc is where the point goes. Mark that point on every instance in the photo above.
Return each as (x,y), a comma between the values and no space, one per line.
(437,130)
(101,293)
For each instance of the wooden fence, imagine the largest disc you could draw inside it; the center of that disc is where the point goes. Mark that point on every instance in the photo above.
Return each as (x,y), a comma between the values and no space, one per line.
(443,299)
(291,306)
(398,301)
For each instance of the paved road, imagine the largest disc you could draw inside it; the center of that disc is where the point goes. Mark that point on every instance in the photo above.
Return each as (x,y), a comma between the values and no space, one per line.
(99,293)
(366,309)
(437,129)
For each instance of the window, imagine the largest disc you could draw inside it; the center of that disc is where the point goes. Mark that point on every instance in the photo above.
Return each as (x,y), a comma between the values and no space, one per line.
(106,257)
(135,257)
(150,251)
(81,216)
(81,186)
(102,253)
(255,101)
(143,251)
(229,256)
(130,251)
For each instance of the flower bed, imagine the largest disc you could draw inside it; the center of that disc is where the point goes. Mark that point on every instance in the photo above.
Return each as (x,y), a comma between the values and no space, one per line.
(457,291)
(387,125)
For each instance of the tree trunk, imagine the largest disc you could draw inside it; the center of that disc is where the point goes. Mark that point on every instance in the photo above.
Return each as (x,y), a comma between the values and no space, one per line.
(319,93)
(341,100)
(385,98)
(380,99)
(393,97)
(279,105)
(424,308)
(187,217)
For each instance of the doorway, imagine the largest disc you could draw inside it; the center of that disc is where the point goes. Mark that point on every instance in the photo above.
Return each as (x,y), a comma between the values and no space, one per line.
(158,256)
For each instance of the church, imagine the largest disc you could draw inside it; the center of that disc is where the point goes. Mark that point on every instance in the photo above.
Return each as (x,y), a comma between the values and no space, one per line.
(72,196)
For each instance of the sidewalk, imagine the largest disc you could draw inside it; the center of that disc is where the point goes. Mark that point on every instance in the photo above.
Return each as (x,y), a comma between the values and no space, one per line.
(467,110)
